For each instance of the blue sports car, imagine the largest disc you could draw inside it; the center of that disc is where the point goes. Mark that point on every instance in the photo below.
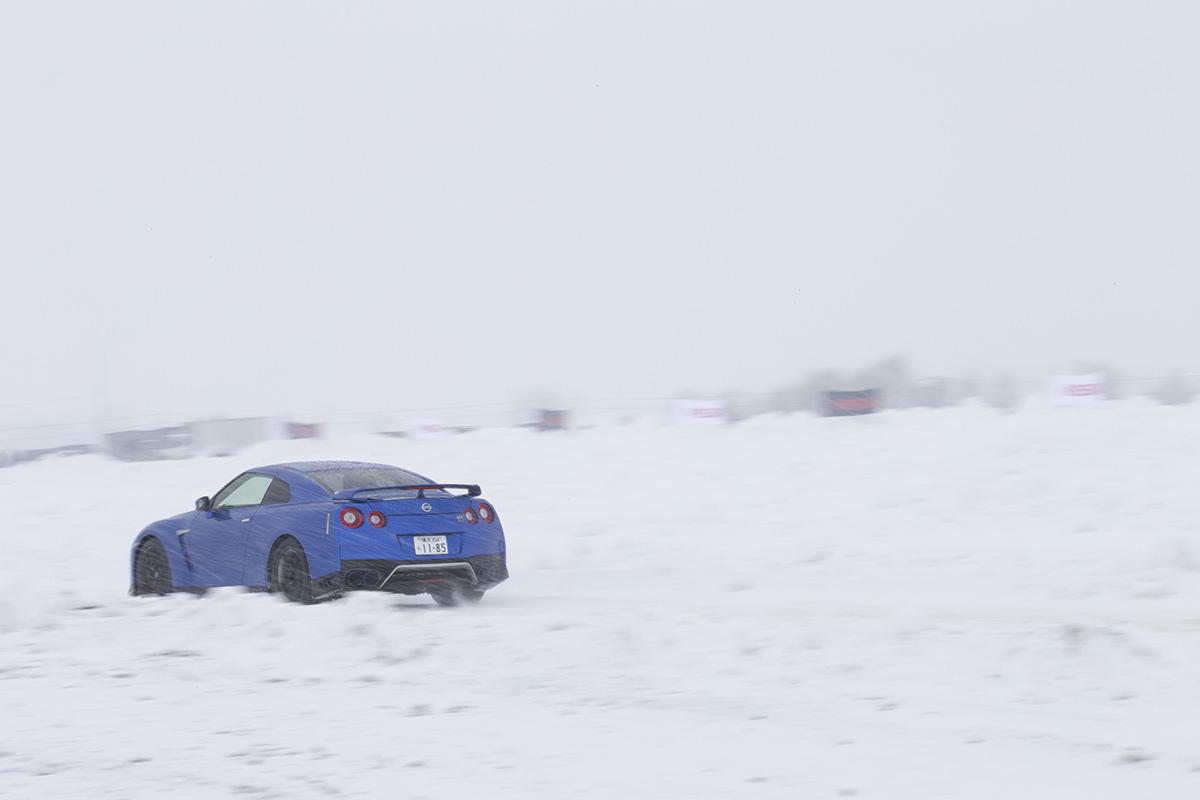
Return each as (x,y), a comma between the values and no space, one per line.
(315,530)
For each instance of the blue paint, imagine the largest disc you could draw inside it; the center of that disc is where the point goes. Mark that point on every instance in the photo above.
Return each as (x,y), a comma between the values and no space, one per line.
(232,546)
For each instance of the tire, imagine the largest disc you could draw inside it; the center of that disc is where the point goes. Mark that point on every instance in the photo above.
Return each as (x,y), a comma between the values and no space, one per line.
(457,597)
(151,570)
(288,573)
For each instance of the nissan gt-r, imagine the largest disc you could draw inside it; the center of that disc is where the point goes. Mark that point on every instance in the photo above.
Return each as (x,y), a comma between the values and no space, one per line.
(315,530)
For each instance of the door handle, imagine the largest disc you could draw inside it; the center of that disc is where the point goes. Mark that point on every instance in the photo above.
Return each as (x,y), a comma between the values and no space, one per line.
(247,519)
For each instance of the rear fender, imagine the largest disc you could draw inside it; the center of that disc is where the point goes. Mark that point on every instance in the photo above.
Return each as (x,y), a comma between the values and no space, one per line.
(308,524)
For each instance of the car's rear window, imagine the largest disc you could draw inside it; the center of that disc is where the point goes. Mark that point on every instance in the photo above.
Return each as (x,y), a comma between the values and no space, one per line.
(338,480)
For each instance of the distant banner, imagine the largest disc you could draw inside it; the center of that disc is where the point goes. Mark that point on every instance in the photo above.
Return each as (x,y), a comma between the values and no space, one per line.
(700,411)
(851,404)
(551,419)
(427,428)
(1078,390)
(303,430)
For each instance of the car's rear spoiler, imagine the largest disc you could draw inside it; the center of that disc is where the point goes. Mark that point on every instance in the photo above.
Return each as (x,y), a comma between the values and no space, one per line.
(350,495)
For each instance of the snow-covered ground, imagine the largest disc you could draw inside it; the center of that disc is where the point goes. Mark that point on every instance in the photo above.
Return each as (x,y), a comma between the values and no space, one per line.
(949,604)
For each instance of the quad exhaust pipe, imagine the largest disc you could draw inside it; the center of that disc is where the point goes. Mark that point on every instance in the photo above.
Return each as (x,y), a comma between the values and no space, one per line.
(362,579)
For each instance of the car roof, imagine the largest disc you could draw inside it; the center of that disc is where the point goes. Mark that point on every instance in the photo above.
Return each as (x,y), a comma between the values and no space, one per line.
(315,466)
(299,472)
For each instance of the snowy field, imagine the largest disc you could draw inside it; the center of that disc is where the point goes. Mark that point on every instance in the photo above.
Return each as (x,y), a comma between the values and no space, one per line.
(923,604)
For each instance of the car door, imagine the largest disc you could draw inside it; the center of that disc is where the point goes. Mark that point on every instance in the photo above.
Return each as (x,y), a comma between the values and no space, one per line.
(216,543)
(270,519)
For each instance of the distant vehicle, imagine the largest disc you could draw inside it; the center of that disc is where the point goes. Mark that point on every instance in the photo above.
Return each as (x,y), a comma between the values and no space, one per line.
(315,530)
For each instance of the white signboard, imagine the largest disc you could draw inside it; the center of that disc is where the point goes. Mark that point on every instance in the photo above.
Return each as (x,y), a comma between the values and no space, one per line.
(220,437)
(704,412)
(1078,390)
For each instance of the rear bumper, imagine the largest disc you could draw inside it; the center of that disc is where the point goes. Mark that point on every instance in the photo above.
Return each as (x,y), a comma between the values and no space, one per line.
(414,577)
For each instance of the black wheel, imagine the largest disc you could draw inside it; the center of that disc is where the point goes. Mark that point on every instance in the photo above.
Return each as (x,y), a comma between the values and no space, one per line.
(457,597)
(151,572)
(289,573)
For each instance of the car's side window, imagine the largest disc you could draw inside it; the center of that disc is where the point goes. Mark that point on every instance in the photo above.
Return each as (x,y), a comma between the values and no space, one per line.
(279,493)
(245,490)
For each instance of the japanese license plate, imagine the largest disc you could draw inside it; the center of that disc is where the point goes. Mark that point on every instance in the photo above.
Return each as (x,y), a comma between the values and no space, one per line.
(430,545)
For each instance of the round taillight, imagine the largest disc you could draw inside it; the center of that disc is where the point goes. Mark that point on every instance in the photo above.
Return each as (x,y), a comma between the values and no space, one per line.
(351,517)
(471,516)
(486,512)
(376,519)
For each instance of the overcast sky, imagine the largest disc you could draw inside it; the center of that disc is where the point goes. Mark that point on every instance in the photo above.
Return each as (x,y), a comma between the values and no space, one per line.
(253,207)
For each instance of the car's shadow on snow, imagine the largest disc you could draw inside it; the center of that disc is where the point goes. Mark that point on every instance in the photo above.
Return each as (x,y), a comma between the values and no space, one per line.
(176,602)
(420,603)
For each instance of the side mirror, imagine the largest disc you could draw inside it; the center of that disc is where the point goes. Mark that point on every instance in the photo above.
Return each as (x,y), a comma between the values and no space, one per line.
(204,504)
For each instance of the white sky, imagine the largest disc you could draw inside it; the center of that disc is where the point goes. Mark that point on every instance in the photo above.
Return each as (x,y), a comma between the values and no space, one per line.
(254,207)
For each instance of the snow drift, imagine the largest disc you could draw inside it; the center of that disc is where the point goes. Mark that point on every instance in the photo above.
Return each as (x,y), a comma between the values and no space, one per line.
(953,603)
